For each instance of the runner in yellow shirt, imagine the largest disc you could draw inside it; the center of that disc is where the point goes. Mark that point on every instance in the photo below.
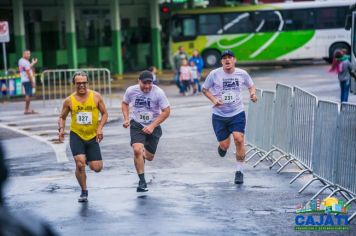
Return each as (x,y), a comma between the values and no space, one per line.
(85,128)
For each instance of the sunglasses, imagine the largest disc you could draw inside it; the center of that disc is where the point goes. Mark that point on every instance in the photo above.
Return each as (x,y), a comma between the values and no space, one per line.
(81,83)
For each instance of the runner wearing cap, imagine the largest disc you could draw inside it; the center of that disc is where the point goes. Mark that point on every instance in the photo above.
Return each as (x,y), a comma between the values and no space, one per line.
(149,108)
(223,87)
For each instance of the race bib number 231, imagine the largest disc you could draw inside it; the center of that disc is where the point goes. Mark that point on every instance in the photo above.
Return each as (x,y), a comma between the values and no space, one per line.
(229,97)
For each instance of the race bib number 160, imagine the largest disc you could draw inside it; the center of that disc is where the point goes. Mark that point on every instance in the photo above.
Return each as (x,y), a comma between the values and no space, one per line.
(84,118)
(145,117)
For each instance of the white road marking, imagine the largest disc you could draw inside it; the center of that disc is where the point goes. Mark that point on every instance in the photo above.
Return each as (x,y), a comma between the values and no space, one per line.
(59,149)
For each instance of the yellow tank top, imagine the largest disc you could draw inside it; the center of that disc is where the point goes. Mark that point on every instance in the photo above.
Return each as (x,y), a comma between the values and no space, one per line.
(85,117)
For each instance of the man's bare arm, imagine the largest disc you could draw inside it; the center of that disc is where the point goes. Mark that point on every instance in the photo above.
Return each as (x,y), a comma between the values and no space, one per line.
(125,113)
(253,95)
(104,118)
(213,99)
(103,111)
(62,118)
(162,117)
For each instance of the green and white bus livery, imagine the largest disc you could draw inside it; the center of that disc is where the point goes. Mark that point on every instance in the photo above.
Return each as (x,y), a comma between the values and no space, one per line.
(266,32)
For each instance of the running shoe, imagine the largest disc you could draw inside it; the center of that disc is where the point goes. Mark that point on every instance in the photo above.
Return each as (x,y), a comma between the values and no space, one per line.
(142,186)
(239,177)
(221,152)
(83,196)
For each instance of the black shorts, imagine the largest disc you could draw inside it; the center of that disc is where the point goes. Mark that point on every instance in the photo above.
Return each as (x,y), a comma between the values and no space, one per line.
(90,149)
(150,141)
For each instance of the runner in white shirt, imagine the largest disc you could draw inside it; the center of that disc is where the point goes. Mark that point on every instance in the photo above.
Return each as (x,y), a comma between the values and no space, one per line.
(149,108)
(223,86)
(27,78)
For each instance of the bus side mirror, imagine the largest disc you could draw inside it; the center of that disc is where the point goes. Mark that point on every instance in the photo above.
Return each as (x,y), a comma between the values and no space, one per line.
(348,22)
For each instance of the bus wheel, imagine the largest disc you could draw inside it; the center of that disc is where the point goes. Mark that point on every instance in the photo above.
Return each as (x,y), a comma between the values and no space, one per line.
(211,58)
(336,47)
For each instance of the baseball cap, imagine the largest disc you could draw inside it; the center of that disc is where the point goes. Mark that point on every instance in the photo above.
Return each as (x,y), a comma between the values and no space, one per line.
(227,53)
(146,76)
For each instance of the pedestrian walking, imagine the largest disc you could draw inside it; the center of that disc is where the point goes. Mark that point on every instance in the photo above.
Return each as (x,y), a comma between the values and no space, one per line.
(223,87)
(149,108)
(342,66)
(86,131)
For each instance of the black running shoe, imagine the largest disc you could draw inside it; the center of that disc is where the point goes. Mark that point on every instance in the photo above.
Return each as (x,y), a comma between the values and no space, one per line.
(83,196)
(239,177)
(221,152)
(142,187)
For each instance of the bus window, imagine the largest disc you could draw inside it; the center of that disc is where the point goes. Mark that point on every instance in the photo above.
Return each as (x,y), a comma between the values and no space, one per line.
(237,23)
(267,21)
(328,18)
(183,28)
(210,24)
(299,19)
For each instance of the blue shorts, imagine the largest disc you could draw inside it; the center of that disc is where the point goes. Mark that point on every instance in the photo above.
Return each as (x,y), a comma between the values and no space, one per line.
(224,126)
(28,88)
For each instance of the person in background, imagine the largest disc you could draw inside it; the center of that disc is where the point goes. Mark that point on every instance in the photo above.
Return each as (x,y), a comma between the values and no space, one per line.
(198,61)
(342,67)
(178,58)
(185,76)
(195,76)
(27,78)
(153,70)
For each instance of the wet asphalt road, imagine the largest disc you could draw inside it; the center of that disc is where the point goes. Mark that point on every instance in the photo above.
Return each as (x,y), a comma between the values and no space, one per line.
(191,190)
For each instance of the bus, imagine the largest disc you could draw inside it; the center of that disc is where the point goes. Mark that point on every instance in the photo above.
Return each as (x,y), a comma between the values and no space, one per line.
(351,25)
(263,32)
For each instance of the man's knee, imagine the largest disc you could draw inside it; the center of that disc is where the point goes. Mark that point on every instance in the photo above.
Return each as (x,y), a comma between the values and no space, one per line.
(138,150)
(224,145)
(239,139)
(149,157)
(80,164)
(96,166)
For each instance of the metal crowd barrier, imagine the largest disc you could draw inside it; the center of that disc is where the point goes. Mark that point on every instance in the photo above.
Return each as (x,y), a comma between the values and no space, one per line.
(252,121)
(325,145)
(57,84)
(264,125)
(316,135)
(301,142)
(280,133)
(345,178)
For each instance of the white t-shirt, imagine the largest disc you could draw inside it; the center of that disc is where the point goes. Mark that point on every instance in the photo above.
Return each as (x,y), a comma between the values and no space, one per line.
(228,89)
(145,107)
(23,66)
(194,71)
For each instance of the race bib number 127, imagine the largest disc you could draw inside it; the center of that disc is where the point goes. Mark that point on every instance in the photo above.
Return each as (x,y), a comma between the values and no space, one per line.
(84,118)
